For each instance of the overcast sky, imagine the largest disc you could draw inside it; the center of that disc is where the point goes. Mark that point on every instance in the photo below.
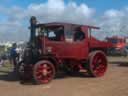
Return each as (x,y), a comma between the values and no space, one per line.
(110,15)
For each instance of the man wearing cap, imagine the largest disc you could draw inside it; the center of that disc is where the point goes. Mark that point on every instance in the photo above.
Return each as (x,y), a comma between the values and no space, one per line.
(79,35)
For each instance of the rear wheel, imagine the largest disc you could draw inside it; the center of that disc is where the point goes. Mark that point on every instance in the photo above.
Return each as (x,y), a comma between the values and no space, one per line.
(97,65)
(43,72)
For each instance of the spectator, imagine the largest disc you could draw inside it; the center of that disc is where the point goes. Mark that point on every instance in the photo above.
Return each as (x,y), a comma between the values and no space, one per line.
(14,55)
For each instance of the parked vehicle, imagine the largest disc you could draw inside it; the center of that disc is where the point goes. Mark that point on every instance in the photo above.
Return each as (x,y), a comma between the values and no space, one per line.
(119,44)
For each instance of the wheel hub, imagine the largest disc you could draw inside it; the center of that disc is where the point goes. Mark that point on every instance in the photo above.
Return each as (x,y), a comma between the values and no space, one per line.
(45,71)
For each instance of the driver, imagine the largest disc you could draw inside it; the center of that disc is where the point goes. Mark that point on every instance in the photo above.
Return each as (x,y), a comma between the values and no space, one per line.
(79,34)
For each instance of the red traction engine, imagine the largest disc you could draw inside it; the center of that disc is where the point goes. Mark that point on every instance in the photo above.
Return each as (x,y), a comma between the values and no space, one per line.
(57,46)
(119,46)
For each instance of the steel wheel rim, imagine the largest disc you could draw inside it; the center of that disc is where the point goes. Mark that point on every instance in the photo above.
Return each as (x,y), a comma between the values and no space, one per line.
(99,64)
(44,72)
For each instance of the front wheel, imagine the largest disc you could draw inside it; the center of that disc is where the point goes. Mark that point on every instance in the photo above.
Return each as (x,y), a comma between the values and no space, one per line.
(43,72)
(97,64)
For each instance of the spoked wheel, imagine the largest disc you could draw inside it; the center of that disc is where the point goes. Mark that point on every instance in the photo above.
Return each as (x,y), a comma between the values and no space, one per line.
(43,72)
(97,65)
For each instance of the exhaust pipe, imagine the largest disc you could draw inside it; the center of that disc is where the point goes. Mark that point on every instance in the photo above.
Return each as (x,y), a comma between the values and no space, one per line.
(33,23)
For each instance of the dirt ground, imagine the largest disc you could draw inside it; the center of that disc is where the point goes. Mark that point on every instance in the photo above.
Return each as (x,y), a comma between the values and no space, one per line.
(114,83)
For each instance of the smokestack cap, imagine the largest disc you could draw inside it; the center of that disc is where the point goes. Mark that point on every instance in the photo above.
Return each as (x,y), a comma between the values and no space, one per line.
(33,20)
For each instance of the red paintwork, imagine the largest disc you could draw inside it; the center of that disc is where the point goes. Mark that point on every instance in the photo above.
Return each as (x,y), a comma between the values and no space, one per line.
(73,50)
(87,53)
(95,43)
(101,59)
(73,54)
(120,41)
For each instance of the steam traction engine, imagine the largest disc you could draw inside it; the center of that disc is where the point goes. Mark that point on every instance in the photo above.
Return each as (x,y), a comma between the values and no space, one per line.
(53,47)
(119,46)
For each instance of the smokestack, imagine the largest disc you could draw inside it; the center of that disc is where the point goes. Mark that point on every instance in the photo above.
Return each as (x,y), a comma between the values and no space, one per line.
(33,23)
